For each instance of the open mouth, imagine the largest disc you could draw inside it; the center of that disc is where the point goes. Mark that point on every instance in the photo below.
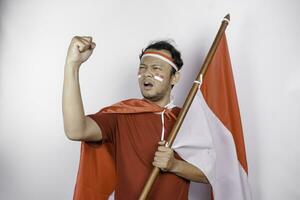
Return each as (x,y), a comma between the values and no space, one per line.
(147,85)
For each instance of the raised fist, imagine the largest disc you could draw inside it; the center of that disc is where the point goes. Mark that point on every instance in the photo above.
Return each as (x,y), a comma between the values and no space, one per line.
(80,49)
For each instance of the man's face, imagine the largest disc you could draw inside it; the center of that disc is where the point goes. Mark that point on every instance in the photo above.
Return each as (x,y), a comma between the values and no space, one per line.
(155,78)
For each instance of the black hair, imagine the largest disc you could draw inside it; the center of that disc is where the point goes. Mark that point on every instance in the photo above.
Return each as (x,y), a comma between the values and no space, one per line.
(166,45)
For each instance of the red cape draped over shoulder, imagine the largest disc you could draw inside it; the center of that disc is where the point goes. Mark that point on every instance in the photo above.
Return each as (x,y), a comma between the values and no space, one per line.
(96,178)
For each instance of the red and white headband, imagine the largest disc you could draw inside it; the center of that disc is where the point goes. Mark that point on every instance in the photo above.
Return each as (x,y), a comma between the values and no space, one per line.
(161,56)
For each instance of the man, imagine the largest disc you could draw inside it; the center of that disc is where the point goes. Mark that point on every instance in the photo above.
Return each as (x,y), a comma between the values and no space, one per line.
(135,129)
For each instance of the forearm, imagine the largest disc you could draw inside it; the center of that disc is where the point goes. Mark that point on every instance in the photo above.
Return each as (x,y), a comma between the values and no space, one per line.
(188,171)
(72,106)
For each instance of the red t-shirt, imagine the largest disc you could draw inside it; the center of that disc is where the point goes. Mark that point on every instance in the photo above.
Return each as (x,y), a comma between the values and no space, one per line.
(135,139)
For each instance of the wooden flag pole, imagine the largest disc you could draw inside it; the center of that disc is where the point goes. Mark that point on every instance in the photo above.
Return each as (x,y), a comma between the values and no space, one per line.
(187,103)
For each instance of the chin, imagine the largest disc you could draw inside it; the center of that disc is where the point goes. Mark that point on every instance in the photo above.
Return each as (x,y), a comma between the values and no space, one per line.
(151,97)
(146,95)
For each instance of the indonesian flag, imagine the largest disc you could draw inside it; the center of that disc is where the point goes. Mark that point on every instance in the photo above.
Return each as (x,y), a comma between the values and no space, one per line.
(211,136)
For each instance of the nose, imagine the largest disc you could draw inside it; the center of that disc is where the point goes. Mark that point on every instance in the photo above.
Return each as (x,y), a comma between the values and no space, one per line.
(147,72)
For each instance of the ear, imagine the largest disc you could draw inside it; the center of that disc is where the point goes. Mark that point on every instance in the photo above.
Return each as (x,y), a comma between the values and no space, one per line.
(175,78)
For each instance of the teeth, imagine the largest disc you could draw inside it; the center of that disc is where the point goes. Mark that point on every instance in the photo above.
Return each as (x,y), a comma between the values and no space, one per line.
(148,84)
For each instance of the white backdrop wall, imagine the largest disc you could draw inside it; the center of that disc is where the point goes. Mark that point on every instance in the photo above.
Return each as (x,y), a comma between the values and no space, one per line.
(36,159)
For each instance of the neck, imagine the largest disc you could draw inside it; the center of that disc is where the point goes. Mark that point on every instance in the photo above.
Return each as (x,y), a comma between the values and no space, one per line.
(163,101)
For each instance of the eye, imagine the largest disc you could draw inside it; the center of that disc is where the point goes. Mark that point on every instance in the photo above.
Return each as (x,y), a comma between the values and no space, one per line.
(142,67)
(157,67)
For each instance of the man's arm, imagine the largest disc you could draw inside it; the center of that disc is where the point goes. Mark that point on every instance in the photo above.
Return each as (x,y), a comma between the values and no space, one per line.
(76,125)
(165,160)
(188,171)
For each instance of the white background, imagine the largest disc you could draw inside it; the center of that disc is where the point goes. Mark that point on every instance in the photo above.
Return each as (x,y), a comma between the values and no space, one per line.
(36,159)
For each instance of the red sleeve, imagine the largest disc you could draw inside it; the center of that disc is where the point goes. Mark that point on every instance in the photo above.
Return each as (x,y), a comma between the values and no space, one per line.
(107,124)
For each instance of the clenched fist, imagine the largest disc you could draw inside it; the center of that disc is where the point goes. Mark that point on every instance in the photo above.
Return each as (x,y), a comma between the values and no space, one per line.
(164,157)
(80,49)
